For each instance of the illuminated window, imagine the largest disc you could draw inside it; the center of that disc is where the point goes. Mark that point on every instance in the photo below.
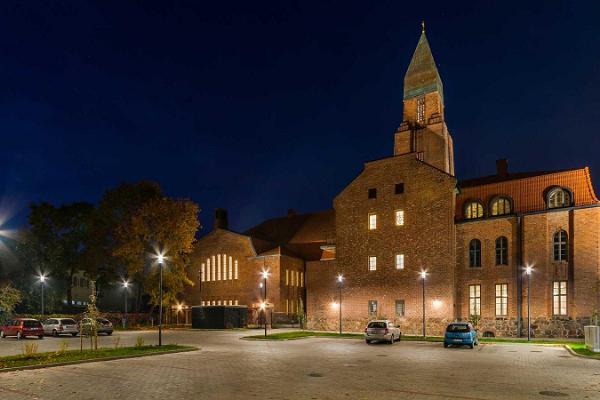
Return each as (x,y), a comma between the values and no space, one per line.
(287,277)
(218,302)
(235,303)
(502,251)
(399,261)
(218,267)
(475,253)
(421,109)
(235,270)
(372,221)
(400,308)
(301,279)
(202,271)
(473,210)
(558,197)
(559,298)
(203,302)
(399,217)
(214,268)
(501,206)
(373,308)
(560,242)
(224,267)
(372,263)
(474,299)
(502,300)
(230,268)
(287,306)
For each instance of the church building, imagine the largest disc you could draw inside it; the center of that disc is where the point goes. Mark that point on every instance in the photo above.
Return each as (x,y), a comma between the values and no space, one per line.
(407,241)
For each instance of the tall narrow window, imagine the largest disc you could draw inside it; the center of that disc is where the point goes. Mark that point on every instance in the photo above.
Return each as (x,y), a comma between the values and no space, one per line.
(475,253)
(474,299)
(372,308)
(230,268)
(287,277)
(421,109)
(218,267)
(399,261)
(372,263)
(224,267)
(560,246)
(202,272)
(502,300)
(372,221)
(400,308)
(399,217)
(559,298)
(235,270)
(208,269)
(301,279)
(214,268)
(502,251)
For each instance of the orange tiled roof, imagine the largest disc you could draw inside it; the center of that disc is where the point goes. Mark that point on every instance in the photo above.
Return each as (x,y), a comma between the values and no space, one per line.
(527,189)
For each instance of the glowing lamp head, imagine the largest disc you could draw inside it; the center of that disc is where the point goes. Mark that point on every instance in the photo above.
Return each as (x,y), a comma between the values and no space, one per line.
(179,307)
(423,274)
(160,258)
(334,305)
(265,274)
(263,305)
(125,284)
(42,278)
(340,278)
(528,270)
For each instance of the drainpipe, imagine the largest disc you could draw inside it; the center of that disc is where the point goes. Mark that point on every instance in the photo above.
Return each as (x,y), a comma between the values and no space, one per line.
(519,267)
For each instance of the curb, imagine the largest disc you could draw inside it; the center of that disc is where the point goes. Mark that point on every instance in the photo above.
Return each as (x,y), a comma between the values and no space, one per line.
(92,360)
(574,353)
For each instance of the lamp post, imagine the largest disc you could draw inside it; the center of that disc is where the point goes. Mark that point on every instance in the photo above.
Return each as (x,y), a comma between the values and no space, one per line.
(43,282)
(528,273)
(423,276)
(160,258)
(340,282)
(125,286)
(264,304)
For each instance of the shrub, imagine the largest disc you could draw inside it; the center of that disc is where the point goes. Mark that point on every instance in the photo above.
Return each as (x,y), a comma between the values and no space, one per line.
(139,342)
(29,349)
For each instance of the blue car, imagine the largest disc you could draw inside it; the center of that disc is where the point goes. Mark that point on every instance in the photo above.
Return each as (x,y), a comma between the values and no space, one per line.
(462,334)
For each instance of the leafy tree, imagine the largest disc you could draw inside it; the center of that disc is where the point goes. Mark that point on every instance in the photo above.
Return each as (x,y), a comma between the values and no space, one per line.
(9,298)
(161,224)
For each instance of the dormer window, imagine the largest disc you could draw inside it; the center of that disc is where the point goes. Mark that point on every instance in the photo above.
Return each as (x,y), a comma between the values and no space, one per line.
(421,109)
(473,210)
(500,206)
(559,197)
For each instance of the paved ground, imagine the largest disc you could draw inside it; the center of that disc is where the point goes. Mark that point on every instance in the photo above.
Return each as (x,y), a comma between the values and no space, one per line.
(317,368)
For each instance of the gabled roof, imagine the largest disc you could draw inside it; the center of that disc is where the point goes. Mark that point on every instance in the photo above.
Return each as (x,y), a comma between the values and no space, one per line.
(422,75)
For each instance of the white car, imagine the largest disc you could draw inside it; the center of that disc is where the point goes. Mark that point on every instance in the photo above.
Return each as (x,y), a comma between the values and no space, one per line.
(382,330)
(60,326)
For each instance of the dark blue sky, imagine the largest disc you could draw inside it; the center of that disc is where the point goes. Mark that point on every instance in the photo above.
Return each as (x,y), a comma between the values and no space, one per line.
(260,107)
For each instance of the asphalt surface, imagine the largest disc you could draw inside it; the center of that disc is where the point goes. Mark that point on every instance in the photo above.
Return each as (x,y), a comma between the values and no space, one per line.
(227,367)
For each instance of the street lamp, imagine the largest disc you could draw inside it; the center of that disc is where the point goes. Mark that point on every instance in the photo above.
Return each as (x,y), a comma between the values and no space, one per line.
(528,271)
(423,276)
(125,286)
(179,308)
(264,274)
(160,258)
(340,283)
(43,282)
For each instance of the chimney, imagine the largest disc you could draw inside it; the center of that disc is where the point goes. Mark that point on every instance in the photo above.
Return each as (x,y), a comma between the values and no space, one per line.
(221,221)
(291,212)
(502,167)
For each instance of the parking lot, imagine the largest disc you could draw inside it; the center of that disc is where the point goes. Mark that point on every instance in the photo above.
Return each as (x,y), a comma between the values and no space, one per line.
(315,368)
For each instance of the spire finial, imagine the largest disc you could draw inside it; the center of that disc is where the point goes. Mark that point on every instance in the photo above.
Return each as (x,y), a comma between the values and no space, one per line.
(423,26)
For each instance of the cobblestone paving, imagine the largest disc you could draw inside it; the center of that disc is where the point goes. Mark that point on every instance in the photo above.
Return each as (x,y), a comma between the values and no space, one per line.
(317,368)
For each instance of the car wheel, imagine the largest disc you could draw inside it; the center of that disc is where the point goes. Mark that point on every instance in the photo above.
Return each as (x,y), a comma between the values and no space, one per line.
(73,334)
(40,336)
(108,333)
(367,341)
(477,343)
(471,345)
(55,333)
(19,335)
(392,340)
(445,345)
(2,335)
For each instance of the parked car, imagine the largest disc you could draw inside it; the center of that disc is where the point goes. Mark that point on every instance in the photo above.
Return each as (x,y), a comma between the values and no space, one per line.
(60,326)
(102,326)
(382,330)
(21,328)
(462,334)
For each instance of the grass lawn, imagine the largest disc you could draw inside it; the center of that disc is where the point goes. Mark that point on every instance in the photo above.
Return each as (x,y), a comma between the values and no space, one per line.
(76,355)
(580,348)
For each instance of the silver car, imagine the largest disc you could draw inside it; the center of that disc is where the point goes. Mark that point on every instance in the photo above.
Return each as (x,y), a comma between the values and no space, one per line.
(60,326)
(382,330)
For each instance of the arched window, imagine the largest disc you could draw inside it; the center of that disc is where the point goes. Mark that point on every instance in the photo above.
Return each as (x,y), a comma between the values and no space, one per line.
(559,197)
(500,206)
(473,209)
(502,251)
(560,242)
(475,253)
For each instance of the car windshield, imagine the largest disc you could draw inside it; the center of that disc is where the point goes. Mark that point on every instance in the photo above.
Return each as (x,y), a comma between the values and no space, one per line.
(31,324)
(68,321)
(377,325)
(458,328)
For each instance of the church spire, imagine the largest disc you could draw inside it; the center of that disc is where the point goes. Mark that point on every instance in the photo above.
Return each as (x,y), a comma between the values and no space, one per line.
(422,75)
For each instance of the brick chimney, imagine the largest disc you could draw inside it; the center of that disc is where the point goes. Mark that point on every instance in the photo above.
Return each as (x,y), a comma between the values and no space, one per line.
(221,221)
(502,167)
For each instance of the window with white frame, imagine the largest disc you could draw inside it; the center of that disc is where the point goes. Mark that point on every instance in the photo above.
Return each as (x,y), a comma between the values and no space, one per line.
(372,221)
(474,299)
(399,217)
(372,263)
(399,261)
(373,308)
(501,300)
(559,298)
(559,242)
(400,308)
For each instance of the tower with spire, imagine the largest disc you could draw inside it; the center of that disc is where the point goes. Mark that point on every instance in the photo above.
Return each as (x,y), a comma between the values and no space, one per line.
(423,130)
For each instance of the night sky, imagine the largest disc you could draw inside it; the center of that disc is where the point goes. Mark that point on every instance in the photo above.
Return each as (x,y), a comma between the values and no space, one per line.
(259,107)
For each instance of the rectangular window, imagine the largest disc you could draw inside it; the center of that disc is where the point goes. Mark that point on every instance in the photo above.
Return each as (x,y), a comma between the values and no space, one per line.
(287,277)
(372,308)
(224,267)
(559,298)
(218,267)
(235,269)
(301,279)
(399,261)
(373,193)
(214,269)
(400,308)
(372,221)
(372,263)
(218,302)
(421,109)
(230,268)
(399,217)
(399,188)
(502,300)
(474,299)
(202,272)
(235,303)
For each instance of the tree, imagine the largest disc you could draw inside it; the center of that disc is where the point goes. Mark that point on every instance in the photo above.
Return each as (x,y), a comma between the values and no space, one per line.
(9,298)
(161,224)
